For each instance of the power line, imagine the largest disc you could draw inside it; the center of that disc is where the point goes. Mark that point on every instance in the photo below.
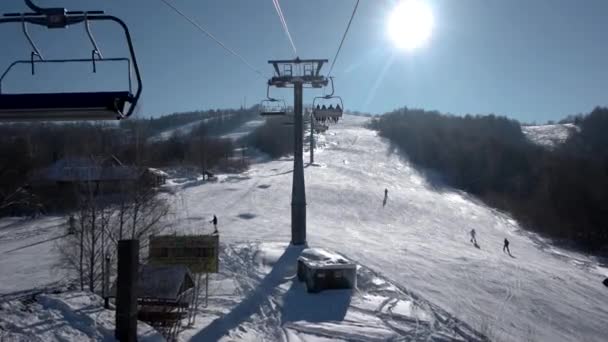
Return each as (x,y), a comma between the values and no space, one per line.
(343,38)
(277,7)
(195,24)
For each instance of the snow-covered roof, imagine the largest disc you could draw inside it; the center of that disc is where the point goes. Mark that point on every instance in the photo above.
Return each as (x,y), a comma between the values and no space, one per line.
(161,282)
(321,258)
(158,172)
(86,169)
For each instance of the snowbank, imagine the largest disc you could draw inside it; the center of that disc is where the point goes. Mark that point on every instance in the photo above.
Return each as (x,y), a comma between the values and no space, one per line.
(70,316)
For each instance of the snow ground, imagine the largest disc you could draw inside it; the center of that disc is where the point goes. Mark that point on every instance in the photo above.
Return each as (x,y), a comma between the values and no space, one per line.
(243,130)
(70,316)
(182,130)
(549,135)
(28,257)
(419,240)
(418,243)
(236,134)
(257,297)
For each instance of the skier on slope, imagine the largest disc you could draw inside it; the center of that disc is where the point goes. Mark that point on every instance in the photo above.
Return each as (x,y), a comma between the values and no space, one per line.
(473,239)
(385,197)
(214,221)
(506,246)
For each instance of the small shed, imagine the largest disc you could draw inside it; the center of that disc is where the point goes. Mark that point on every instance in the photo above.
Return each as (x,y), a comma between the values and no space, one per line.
(155,177)
(323,270)
(164,296)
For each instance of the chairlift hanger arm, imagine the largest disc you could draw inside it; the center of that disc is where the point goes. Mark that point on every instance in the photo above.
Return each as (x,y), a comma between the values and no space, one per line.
(33,7)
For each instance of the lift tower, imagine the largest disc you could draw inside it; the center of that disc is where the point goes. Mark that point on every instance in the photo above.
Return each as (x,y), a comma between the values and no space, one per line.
(296,74)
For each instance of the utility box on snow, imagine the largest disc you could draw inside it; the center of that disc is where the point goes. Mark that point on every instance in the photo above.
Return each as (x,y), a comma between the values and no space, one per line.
(322,270)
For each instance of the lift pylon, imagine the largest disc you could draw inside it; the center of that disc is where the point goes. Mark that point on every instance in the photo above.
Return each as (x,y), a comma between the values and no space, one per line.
(296,74)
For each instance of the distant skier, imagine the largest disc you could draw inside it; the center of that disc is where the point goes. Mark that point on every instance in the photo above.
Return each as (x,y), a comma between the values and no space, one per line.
(473,239)
(506,247)
(385,197)
(214,221)
(71,225)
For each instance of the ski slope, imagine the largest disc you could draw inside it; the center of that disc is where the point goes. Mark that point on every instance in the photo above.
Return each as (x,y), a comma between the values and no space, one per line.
(418,241)
(549,135)
(420,277)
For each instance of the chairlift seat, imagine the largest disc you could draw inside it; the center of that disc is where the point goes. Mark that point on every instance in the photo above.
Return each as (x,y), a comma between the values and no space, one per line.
(271,113)
(64,106)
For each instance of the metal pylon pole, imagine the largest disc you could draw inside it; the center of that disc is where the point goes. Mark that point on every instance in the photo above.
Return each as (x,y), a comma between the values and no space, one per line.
(298,193)
(312,139)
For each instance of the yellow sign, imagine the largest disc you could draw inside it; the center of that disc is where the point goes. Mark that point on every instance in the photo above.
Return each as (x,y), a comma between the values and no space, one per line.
(197,252)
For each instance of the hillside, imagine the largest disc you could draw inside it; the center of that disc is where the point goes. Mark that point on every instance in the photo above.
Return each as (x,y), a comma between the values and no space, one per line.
(549,135)
(417,244)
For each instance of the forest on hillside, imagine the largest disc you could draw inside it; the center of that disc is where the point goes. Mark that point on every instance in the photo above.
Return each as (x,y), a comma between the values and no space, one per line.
(26,148)
(560,192)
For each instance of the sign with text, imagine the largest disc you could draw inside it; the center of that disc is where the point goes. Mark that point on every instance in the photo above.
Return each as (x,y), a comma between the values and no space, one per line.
(197,252)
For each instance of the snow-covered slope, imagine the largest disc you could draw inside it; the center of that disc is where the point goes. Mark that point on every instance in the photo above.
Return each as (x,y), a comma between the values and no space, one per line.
(181,130)
(418,241)
(237,133)
(549,135)
(257,297)
(28,257)
(244,129)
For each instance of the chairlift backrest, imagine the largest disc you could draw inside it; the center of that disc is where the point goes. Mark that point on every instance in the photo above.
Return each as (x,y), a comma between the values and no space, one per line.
(117,104)
(273,107)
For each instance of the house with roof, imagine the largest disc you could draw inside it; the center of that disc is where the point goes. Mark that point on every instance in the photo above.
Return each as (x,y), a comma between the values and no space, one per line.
(69,177)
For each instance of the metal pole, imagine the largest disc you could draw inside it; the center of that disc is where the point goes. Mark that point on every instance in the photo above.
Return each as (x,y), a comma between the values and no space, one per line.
(298,194)
(312,140)
(126,284)
(207,290)
(106,283)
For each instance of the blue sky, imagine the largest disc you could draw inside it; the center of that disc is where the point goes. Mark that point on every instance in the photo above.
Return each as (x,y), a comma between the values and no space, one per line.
(531,60)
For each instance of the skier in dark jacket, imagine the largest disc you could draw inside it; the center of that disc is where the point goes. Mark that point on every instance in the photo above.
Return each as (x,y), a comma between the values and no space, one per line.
(214,221)
(506,246)
(385,197)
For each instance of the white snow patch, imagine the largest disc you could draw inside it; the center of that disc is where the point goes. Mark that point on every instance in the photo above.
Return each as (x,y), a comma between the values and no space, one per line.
(549,135)
(70,316)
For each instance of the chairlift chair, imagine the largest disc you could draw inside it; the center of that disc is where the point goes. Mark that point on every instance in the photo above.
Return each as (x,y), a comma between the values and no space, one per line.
(271,106)
(105,105)
(328,107)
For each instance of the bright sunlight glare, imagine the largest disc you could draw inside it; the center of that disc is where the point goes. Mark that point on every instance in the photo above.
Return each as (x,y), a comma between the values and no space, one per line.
(410,24)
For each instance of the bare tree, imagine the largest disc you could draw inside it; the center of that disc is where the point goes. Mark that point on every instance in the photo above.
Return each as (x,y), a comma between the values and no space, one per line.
(136,212)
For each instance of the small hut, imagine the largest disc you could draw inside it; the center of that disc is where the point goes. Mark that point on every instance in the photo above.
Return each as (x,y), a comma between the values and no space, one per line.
(164,296)
(323,270)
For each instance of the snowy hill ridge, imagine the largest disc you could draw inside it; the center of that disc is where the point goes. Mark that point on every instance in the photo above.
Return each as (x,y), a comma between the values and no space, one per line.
(549,135)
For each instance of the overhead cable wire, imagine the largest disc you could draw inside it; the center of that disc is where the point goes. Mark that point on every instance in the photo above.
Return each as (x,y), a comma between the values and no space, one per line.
(208,34)
(331,68)
(277,7)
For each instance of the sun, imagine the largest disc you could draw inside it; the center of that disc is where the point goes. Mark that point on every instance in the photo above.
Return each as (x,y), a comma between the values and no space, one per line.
(410,24)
